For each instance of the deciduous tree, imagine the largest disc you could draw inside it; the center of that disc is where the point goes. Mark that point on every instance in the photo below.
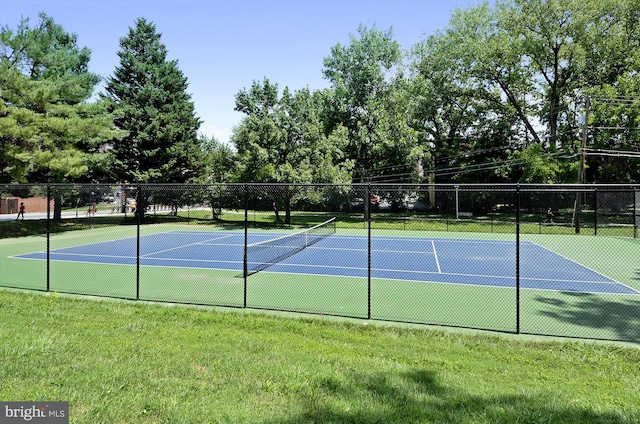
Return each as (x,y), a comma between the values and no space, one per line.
(367,98)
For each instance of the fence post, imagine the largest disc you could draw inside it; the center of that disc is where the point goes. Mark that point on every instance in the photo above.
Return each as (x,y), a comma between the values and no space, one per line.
(367,216)
(636,212)
(138,214)
(245,269)
(48,237)
(517,258)
(595,211)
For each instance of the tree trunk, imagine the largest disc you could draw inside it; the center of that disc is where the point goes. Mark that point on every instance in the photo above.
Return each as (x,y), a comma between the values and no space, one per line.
(57,208)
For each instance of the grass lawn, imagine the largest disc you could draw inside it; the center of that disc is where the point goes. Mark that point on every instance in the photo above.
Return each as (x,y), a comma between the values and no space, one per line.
(118,362)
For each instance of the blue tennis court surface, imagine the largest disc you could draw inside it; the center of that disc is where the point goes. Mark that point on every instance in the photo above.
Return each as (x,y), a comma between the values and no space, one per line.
(439,260)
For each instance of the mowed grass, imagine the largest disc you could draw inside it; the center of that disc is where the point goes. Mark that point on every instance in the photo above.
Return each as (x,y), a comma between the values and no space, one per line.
(125,362)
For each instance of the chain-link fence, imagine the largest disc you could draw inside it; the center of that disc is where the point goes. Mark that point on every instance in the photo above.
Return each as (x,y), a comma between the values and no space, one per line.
(551,260)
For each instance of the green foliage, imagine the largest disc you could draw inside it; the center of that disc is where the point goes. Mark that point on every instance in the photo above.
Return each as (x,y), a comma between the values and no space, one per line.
(47,52)
(281,139)
(498,95)
(47,132)
(370,100)
(523,67)
(219,160)
(147,94)
(614,130)
(538,167)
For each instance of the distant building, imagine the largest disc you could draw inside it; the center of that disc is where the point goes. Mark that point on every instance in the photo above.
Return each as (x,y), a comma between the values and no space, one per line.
(10,205)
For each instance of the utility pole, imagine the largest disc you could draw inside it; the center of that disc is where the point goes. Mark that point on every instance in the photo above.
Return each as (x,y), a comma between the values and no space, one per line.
(585,127)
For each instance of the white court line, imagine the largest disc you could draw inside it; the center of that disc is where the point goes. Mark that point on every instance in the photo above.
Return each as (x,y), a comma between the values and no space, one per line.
(226,261)
(435,256)
(455,274)
(183,246)
(350,249)
(426,273)
(294,265)
(582,265)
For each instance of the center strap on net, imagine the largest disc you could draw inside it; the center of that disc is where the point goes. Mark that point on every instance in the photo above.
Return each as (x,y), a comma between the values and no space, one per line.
(263,254)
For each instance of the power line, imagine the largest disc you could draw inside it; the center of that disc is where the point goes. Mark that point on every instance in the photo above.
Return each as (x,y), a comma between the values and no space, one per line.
(488,166)
(614,153)
(379,177)
(614,128)
(617,99)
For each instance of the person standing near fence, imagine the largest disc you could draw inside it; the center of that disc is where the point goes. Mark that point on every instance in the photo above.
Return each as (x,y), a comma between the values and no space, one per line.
(20,211)
(549,216)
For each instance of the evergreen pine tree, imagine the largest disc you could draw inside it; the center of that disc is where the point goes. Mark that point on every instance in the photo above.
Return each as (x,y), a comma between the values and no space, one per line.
(49,133)
(151,105)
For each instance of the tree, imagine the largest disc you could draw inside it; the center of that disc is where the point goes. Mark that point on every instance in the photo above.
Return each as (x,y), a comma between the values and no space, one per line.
(281,139)
(613,152)
(458,109)
(220,161)
(48,133)
(614,103)
(369,102)
(321,158)
(568,48)
(258,139)
(524,66)
(148,96)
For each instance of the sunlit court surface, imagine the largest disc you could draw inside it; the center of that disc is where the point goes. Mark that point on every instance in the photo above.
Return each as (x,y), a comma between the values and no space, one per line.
(488,263)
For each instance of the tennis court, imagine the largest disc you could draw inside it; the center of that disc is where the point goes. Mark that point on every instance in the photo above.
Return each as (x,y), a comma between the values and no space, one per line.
(470,262)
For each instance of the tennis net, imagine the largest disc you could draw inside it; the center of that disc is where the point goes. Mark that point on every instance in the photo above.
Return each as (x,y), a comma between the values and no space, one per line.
(263,254)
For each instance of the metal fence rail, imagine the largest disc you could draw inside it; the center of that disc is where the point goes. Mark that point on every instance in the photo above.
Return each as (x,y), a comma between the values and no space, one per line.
(560,260)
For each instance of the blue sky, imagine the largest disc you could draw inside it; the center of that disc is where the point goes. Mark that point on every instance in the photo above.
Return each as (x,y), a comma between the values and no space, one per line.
(222,46)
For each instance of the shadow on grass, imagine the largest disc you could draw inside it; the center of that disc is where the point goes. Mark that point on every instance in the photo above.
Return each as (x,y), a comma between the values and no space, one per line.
(592,311)
(38,227)
(418,397)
